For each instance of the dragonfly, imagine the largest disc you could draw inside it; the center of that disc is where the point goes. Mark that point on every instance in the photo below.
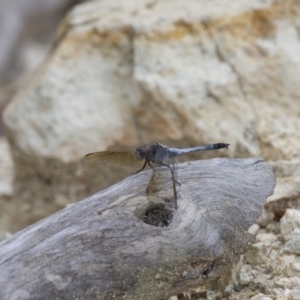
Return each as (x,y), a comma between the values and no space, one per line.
(154,155)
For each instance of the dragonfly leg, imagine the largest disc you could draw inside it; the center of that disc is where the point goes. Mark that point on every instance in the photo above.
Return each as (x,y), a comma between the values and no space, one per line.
(174,184)
(177,182)
(150,165)
(146,161)
(172,172)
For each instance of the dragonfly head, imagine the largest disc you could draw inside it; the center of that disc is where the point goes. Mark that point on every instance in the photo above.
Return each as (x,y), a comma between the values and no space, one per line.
(141,152)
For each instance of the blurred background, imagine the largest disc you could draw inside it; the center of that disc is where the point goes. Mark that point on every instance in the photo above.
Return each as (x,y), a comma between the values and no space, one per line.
(84,76)
(27,33)
(27,30)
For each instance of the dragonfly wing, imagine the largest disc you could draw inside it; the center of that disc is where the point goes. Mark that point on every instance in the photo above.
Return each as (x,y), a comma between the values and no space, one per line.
(170,165)
(122,159)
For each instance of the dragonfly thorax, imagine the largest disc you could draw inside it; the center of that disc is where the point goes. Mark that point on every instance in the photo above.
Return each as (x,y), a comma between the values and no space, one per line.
(155,153)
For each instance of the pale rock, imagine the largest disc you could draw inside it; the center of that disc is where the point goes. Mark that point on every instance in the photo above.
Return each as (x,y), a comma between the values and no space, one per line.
(292,269)
(127,72)
(224,283)
(245,275)
(286,265)
(266,286)
(286,295)
(286,188)
(288,179)
(254,229)
(273,254)
(289,222)
(287,283)
(260,296)
(228,290)
(266,237)
(287,168)
(273,226)
(293,245)
(213,295)
(264,248)
(266,217)
(257,254)
(295,294)
(263,279)
(278,291)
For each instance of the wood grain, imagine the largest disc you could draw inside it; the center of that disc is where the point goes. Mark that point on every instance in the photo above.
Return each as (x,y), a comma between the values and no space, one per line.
(101,247)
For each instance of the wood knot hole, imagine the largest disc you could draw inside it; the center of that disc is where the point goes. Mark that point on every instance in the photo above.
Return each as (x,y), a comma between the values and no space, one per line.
(158,216)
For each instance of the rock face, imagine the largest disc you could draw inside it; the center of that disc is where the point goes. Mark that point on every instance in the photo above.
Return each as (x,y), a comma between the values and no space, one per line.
(126,73)
(289,222)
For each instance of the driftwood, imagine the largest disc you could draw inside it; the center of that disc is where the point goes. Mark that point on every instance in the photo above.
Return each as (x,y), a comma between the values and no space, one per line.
(106,246)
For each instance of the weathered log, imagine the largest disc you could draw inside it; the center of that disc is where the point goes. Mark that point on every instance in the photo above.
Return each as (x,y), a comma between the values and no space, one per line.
(103,248)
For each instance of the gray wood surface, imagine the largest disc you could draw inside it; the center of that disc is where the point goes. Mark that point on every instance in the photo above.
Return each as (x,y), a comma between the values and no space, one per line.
(101,247)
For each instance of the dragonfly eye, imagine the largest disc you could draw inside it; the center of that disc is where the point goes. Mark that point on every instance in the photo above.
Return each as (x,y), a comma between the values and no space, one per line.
(141,152)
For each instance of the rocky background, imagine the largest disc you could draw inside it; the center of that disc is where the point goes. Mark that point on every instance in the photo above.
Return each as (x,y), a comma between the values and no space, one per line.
(183,73)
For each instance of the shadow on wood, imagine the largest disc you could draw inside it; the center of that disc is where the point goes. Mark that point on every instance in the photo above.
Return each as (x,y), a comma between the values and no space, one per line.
(101,248)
